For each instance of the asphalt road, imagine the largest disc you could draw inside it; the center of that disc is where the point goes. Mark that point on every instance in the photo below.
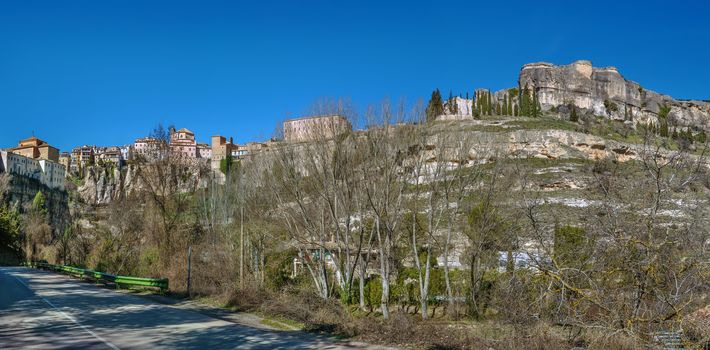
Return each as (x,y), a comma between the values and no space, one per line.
(43,310)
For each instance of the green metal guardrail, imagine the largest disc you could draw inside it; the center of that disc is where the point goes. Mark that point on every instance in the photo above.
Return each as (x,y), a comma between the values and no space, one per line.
(118,281)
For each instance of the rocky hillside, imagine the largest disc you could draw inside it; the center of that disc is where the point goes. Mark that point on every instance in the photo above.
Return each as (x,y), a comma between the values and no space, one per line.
(591,91)
(104,184)
(101,185)
(605,92)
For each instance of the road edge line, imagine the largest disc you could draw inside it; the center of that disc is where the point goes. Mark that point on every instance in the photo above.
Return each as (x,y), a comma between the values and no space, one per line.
(56,309)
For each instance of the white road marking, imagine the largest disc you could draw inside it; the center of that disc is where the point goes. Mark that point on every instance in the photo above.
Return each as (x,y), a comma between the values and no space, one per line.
(98,337)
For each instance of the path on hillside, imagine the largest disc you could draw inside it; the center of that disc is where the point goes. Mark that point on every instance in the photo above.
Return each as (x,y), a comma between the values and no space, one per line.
(39,309)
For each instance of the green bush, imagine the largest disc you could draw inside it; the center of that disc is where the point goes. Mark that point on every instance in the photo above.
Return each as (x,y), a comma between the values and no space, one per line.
(570,246)
(10,226)
(148,261)
(279,269)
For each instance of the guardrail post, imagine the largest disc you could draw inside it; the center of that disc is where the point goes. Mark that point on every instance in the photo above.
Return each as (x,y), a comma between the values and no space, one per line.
(101,277)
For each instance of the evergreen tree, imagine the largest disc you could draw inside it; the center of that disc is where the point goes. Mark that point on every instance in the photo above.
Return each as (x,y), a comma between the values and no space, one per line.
(663,131)
(663,111)
(573,114)
(475,106)
(454,106)
(39,204)
(488,103)
(435,107)
(700,136)
(536,109)
(10,229)
(450,102)
(510,104)
(525,101)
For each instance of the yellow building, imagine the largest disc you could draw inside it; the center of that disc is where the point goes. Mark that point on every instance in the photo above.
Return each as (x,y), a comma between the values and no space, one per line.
(65,160)
(220,149)
(36,149)
(315,128)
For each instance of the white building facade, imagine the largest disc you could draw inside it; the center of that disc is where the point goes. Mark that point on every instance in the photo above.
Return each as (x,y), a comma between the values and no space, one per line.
(47,172)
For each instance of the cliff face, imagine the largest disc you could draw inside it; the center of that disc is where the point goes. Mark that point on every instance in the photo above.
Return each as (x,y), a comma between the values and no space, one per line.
(23,190)
(101,185)
(588,88)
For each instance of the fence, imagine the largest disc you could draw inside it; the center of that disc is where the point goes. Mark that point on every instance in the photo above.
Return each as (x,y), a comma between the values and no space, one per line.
(101,277)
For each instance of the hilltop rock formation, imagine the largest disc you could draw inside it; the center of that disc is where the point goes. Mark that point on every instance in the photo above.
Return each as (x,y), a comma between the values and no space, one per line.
(603,91)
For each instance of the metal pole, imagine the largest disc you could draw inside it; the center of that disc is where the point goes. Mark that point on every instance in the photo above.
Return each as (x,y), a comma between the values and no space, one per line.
(189,258)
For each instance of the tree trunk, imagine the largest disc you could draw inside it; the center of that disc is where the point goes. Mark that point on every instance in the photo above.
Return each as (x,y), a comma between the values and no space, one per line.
(384,275)
(447,278)
(241,248)
(362,285)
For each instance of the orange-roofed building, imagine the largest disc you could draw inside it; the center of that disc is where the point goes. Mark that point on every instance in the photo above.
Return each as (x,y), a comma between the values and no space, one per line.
(36,149)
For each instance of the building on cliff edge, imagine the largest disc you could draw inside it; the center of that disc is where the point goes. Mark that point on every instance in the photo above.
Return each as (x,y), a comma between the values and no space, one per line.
(315,128)
(35,148)
(46,172)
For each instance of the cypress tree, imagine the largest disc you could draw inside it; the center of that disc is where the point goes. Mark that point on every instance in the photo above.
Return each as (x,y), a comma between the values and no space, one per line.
(536,110)
(450,102)
(573,114)
(510,104)
(525,101)
(435,107)
(488,102)
(663,131)
(475,105)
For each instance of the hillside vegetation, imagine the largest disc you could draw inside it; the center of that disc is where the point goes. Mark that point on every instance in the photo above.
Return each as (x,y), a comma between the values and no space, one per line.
(489,232)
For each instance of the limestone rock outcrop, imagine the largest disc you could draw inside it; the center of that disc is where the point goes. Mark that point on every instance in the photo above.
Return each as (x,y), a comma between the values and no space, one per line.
(102,185)
(605,92)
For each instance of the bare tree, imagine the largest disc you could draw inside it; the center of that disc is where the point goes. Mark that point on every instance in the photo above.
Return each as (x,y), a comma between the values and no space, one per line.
(456,185)
(385,189)
(637,265)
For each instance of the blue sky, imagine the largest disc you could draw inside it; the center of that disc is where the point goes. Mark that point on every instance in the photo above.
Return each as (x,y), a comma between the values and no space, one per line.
(106,72)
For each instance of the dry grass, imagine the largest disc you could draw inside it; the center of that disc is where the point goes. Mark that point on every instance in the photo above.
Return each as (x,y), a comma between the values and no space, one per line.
(408,331)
